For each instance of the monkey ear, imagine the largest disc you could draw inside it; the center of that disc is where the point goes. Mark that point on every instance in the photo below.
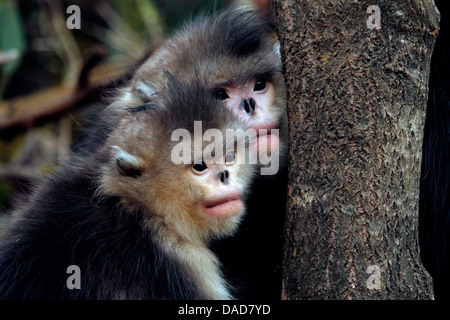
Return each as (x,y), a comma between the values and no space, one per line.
(127,164)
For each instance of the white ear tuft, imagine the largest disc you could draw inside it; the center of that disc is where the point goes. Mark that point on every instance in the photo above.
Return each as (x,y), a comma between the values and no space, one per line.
(126,163)
(120,153)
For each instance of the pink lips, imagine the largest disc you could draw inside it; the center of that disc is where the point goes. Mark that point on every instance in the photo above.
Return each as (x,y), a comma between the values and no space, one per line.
(268,127)
(266,142)
(226,206)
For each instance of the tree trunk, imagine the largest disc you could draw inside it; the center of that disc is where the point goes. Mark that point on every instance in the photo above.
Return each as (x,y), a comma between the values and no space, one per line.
(357,92)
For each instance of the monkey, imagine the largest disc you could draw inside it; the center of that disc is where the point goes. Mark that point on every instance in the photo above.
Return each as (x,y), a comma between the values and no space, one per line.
(236,53)
(134,221)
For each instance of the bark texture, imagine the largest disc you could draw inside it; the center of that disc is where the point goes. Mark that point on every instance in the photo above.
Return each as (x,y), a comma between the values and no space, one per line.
(356,105)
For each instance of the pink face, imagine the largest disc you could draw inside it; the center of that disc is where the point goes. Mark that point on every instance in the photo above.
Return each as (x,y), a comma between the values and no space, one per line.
(253,102)
(221,188)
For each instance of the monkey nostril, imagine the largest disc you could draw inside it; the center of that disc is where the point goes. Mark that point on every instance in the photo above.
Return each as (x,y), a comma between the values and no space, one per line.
(252,103)
(245,105)
(248,105)
(223,176)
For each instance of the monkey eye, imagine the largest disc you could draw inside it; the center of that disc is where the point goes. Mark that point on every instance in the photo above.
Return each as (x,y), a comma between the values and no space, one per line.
(220,94)
(200,168)
(260,85)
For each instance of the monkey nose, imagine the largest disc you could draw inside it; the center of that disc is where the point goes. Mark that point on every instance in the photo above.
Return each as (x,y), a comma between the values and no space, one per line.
(224,176)
(249,105)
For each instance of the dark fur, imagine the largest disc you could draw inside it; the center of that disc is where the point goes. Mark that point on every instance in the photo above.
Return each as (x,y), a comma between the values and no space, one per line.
(239,34)
(434,212)
(252,257)
(66,222)
(114,248)
(232,44)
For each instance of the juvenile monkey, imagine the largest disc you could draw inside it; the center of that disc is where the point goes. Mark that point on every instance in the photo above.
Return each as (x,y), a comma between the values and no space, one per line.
(135,223)
(236,54)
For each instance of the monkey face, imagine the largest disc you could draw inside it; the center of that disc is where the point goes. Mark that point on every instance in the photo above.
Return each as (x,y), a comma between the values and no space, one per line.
(252,101)
(205,198)
(206,194)
(258,106)
(203,192)
(222,188)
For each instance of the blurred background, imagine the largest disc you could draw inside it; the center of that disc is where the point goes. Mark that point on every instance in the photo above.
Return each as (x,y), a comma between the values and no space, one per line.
(53,79)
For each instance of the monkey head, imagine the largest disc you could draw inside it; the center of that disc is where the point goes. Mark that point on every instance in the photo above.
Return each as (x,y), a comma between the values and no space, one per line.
(193,184)
(237,55)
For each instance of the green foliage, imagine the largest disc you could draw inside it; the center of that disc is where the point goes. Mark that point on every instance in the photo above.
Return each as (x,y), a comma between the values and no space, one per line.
(176,13)
(6,190)
(11,147)
(11,36)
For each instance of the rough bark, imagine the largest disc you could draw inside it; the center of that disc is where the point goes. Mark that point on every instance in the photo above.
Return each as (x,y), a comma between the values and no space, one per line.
(356,106)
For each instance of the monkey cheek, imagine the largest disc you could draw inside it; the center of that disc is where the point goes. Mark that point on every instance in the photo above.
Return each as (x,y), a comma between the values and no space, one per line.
(225,209)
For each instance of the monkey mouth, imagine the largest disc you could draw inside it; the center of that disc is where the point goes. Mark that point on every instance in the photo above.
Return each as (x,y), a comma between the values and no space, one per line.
(265,141)
(268,127)
(226,206)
